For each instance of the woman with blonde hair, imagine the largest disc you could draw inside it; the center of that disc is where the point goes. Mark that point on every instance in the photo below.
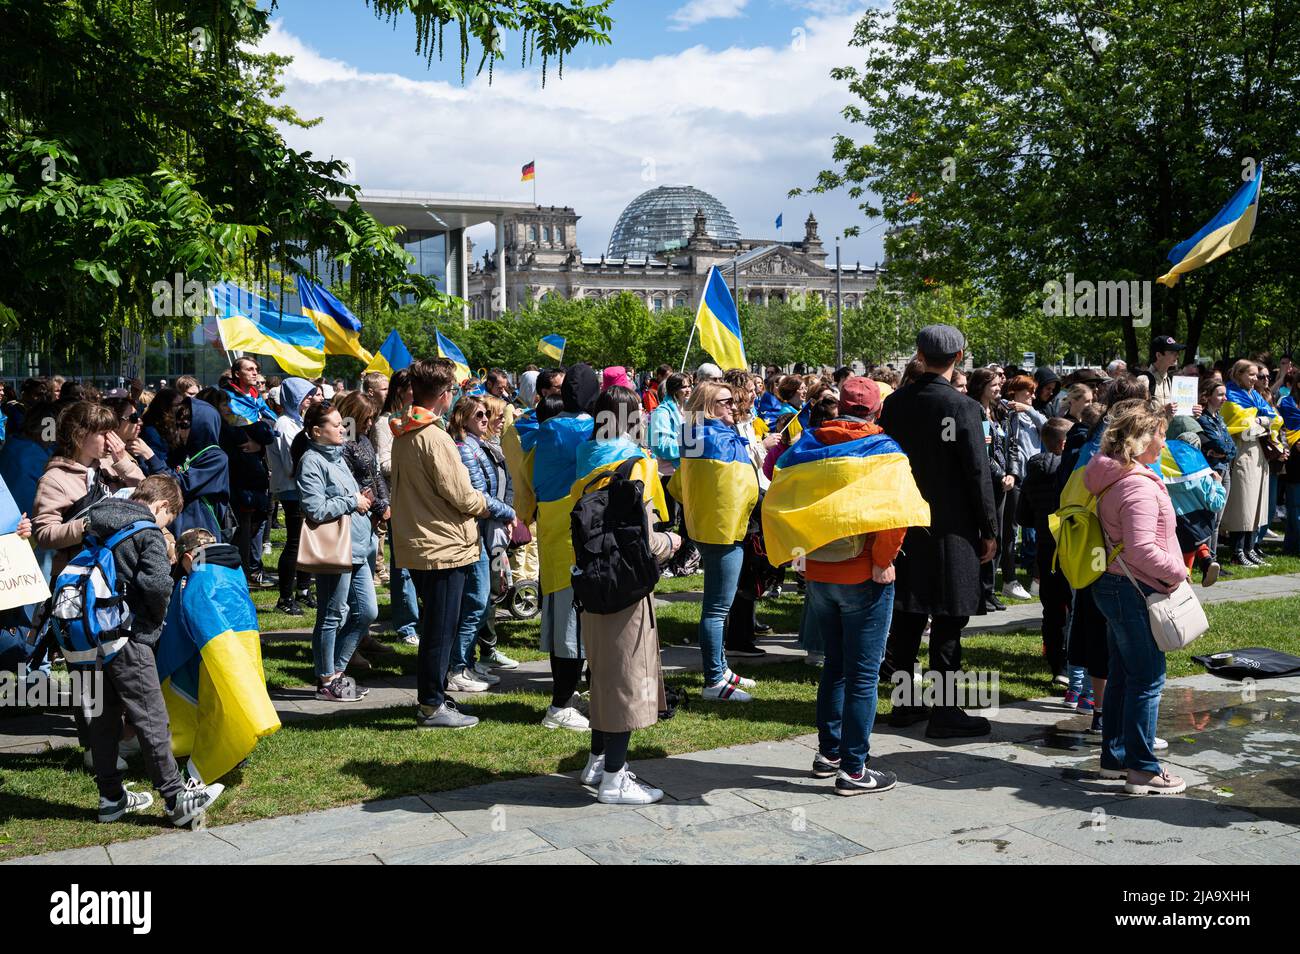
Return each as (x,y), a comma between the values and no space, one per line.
(717,483)
(1248,418)
(1139,526)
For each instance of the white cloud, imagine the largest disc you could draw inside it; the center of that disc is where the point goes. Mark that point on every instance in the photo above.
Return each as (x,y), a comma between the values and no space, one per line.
(701,11)
(745,124)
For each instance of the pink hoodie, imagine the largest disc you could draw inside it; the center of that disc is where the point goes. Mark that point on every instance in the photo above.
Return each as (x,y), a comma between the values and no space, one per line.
(1137,512)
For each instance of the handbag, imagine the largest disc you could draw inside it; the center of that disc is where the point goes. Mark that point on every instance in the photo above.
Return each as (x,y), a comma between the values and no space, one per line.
(1177,618)
(326,547)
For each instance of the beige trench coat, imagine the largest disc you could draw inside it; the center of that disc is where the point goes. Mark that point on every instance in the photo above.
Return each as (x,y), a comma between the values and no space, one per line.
(627,683)
(1247,507)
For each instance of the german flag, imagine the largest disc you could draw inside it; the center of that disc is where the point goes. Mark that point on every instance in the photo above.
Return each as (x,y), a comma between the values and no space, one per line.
(528,172)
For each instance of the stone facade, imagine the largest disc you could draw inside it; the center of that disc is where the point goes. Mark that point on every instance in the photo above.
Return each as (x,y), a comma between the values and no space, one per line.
(543,257)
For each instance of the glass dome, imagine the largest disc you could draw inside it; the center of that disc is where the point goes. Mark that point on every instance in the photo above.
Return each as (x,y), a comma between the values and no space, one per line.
(663,216)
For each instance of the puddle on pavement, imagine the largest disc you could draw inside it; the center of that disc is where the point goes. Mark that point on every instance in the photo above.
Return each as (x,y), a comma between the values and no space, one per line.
(1248,748)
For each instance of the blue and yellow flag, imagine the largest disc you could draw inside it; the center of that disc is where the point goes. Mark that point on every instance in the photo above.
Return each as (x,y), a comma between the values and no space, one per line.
(823,492)
(1074,492)
(1181,463)
(1290,414)
(519,447)
(555,468)
(552,346)
(248,409)
(770,407)
(719,323)
(447,349)
(246,322)
(1242,408)
(340,327)
(391,357)
(1231,226)
(716,482)
(210,663)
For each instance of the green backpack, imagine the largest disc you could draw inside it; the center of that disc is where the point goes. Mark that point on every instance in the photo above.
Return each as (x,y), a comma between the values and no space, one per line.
(1081,553)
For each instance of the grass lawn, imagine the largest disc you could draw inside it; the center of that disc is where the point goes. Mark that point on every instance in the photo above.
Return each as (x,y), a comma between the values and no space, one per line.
(47,800)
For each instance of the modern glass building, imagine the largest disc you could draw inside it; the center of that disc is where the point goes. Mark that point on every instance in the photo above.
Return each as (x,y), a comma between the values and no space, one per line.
(664,217)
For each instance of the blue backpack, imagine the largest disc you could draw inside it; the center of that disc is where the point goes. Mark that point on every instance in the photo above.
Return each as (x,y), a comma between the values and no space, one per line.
(90,616)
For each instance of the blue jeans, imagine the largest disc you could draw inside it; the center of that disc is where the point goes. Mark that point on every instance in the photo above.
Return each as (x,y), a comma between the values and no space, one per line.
(1291,545)
(853,620)
(473,603)
(721,562)
(1135,679)
(345,609)
(404,608)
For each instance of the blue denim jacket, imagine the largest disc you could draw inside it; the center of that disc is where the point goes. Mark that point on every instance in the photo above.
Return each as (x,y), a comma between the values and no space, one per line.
(328,491)
(1215,435)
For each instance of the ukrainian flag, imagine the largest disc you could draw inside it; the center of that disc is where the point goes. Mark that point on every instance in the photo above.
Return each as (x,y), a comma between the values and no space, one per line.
(821,493)
(446,349)
(246,322)
(552,346)
(247,409)
(1074,492)
(716,483)
(719,323)
(1290,413)
(391,357)
(1231,226)
(1242,408)
(597,458)
(770,407)
(1181,463)
(519,447)
(340,327)
(555,468)
(210,663)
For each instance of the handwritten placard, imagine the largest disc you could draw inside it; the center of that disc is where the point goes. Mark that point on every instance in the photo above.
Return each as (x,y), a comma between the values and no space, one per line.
(21,580)
(1184,394)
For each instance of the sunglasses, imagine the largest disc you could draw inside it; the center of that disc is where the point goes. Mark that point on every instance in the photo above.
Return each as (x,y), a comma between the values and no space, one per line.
(727,402)
(481,414)
(134,418)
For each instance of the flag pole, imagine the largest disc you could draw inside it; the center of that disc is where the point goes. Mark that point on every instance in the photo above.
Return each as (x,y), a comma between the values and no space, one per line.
(689,341)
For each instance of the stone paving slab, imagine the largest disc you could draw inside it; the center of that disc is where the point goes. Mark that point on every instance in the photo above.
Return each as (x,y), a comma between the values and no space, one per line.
(985,846)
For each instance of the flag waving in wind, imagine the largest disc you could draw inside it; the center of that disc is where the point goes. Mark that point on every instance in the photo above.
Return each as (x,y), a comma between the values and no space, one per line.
(246,322)
(448,350)
(391,357)
(340,327)
(552,346)
(1231,226)
(719,323)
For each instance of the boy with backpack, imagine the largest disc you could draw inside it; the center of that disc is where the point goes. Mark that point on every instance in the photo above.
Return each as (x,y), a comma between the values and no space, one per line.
(133,530)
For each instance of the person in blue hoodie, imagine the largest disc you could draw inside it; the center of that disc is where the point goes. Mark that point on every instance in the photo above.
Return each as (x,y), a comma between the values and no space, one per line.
(25,453)
(203,470)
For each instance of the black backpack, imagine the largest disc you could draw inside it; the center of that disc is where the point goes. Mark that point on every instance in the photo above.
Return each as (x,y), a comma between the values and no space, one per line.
(613,565)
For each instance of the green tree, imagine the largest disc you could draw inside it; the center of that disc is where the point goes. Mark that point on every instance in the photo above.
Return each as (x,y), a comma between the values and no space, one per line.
(1012,143)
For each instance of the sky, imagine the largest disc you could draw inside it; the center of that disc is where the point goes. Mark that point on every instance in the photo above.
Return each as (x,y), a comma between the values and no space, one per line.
(731,96)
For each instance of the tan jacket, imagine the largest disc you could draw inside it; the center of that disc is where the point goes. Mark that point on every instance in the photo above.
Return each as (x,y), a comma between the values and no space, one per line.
(63,484)
(435,508)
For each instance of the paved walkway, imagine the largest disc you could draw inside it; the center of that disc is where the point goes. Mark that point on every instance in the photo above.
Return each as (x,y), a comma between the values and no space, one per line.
(1027,794)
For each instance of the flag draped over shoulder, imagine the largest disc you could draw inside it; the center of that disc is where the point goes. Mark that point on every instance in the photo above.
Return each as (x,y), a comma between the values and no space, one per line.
(715,481)
(821,493)
(518,446)
(719,323)
(246,322)
(1242,408)
(1181,463)
(1289,411)
(341,329)
(210,663)
(391,357)
(1230,227)
(248,408)
(770,407)
(555,455)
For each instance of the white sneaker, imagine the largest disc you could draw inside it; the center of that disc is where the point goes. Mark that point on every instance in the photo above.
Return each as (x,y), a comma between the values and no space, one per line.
(1159,745)
(814,659)
(463,680)
(412,640)
(566,718)
(594,770)
(1033,589)
(726,691)
(499,660)
(1015,590)
(483,673)
(622,788)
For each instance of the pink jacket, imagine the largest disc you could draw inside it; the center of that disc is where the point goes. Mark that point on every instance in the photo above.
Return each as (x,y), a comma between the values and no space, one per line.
(1138,513)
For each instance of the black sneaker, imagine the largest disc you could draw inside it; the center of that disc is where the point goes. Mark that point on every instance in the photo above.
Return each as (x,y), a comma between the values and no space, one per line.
(307,599)
(747,652)
(1258,556)
(950,722)
(1095,728)
(996,603)
(903,716)
(824,766)
(288,607)
(762,629)
(868,780)
(1225,573)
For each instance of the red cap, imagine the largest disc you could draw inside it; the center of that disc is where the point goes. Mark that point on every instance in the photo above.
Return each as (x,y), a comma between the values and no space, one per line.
(859,392)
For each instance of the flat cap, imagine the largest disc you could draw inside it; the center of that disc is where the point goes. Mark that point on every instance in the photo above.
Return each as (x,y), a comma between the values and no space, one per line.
(938,340)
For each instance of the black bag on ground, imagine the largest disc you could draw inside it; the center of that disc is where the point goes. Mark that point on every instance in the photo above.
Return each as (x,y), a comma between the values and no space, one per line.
(1255,662)
(613,565)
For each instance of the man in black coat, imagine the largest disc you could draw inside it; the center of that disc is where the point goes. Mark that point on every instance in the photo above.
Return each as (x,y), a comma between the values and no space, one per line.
(938,570)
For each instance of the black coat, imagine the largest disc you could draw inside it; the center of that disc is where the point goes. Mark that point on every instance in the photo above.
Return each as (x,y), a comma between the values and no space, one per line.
(941,431)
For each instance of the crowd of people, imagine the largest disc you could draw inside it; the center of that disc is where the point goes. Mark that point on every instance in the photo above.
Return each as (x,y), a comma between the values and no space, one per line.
(449,492)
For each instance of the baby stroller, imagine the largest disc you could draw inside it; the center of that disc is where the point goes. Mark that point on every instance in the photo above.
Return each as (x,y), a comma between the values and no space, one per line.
(522,598)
